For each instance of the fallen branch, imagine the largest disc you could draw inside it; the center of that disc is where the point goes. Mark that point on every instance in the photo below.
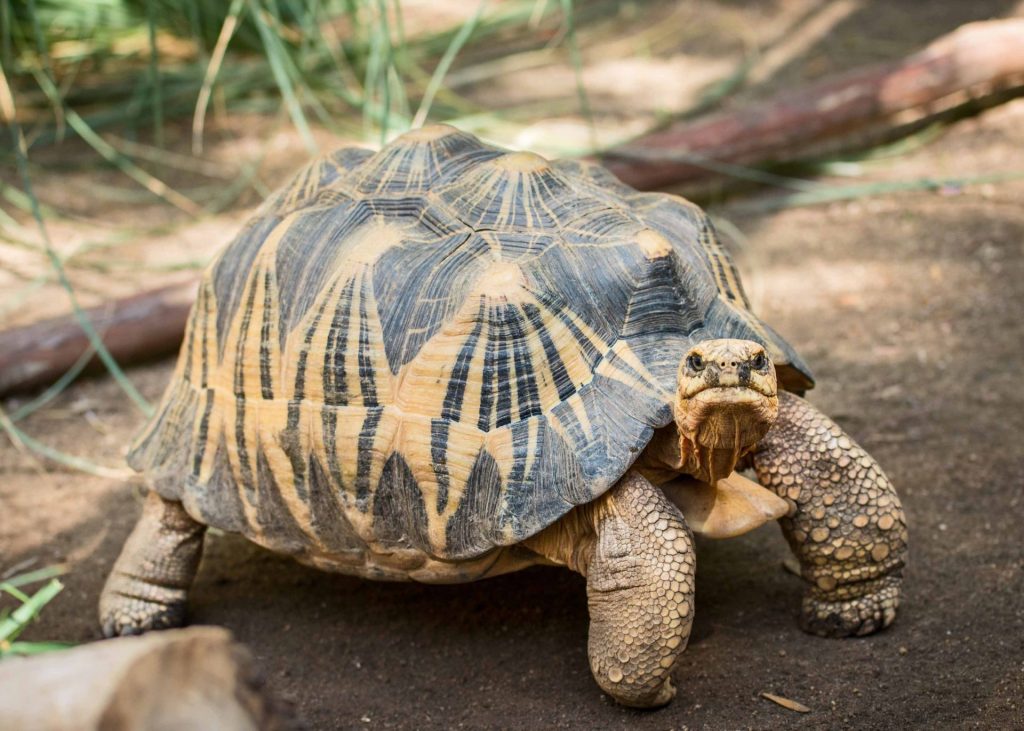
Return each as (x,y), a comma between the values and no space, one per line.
(141,327)
(192,678)
(979,63)
(975,63)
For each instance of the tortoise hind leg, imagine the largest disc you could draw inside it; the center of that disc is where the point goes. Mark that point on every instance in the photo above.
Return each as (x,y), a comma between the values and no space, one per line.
(148,586)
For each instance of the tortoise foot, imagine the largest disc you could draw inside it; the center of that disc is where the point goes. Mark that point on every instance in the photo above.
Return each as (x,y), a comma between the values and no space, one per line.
(127,612)
(148,585)
(855,616)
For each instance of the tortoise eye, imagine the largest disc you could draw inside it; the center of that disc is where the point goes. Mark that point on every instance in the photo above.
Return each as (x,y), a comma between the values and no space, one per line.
(759,362)
(695,363)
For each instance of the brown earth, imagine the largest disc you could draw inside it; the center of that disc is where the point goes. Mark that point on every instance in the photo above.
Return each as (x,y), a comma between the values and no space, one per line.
(910,309)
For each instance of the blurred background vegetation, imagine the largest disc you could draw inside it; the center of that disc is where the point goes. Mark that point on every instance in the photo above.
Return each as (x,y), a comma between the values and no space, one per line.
(141,131)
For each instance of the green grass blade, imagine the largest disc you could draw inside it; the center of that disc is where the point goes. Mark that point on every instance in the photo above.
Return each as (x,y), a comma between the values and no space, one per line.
(56,388)
(6,55)
(15,623)
(275,50)
(26,649)
(831,194)
(458,41)
(371,111)
(68,460)
(384,30)
(577,65)
(31,577)
(42,48)
(18,140)
(154,76)
(227,30)
(15,592)
(108,152)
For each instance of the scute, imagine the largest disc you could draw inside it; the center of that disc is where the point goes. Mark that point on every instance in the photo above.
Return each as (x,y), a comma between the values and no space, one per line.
(438,348)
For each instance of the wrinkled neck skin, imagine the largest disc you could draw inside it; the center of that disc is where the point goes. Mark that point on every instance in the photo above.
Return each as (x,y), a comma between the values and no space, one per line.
(713,435)
(708,439)
(669,455)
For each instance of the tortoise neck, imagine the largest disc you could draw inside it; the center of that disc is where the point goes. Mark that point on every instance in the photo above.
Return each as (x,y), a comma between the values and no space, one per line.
(670,454)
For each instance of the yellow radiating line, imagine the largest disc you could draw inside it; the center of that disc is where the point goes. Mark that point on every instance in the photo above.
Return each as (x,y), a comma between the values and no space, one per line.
(532,446)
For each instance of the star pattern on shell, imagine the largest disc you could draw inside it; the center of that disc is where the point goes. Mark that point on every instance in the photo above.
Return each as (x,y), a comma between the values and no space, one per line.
(441,348)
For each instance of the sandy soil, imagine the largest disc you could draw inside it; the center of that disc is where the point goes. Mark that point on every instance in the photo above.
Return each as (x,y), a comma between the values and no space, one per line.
(909,308)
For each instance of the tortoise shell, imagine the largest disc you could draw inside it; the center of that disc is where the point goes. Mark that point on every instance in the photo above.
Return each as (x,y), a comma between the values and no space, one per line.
(441,347)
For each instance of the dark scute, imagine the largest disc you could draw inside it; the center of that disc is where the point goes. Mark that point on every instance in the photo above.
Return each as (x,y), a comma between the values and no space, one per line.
(396,168)
(433,281)
(555,484)
(684,225)
(616,435)
(317,240)
(399,515)
(218,500)
(602,180)
(306,257)
(517,245)
(274,519)
(332,528)
(345,159)
(662,355)
(439,460)
(660,304)
(597,284)
(543,199)
(232,271)
(364,461)
(465,534)
(162,447)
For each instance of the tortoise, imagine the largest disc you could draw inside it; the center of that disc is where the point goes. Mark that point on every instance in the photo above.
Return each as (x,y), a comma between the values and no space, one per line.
(444,361)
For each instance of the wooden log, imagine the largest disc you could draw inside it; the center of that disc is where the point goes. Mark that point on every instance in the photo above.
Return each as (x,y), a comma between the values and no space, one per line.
(976,60)
(192,678)
(144,326)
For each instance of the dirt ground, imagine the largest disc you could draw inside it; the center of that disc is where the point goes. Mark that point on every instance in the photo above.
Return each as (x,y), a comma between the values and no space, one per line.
(910,309)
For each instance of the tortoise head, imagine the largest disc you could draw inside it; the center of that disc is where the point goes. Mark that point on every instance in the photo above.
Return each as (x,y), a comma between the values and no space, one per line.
(726,402)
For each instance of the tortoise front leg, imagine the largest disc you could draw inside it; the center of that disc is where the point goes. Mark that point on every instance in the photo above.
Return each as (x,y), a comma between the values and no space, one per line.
(637,554)
(845,523)
(148,586)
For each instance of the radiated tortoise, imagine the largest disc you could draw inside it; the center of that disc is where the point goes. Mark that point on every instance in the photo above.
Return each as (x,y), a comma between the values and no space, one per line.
(445,361)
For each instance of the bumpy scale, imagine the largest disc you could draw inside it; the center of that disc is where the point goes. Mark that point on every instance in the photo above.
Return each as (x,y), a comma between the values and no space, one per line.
(845,523)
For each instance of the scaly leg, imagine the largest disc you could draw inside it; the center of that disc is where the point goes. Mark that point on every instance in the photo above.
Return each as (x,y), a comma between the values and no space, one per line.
(148,586)
(845,523)
(637,553)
